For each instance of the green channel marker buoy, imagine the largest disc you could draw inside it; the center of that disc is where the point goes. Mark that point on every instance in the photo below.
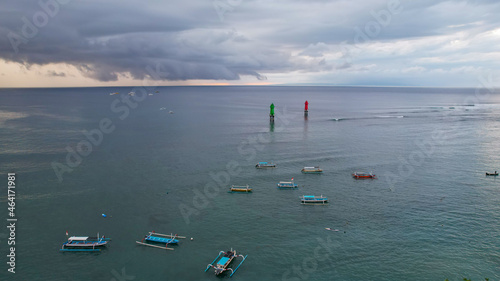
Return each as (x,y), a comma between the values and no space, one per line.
(271,114)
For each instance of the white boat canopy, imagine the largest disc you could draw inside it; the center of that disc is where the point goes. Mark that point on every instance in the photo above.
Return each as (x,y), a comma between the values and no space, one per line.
(78,238)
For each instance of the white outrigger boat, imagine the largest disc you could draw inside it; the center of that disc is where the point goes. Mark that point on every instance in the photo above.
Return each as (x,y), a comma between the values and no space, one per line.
(312,199)
(287,184)
(312,170)
(84,244)
(224,261)
(240,188)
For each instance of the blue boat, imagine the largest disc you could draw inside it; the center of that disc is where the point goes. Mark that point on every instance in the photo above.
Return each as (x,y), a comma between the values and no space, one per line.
(157,240)
(263,165)
(311,199)
(287,184)
(162,240)
(223,263)
(84,244)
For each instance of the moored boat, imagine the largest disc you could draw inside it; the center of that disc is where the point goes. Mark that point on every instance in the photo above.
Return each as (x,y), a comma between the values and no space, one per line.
(312,199)
(358,175)
(312,170)
(157,240)
(287,184)
(224,259)
(244,188)
(84,243)
(263,165)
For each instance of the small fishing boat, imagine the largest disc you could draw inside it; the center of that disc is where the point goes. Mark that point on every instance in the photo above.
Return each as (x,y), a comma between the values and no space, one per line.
(312,170)
(358,175)
(243,188)
(154,239)
(225,260)
(492,174)
(287,184)
(114,93)
(84,244)
(263,165)
(311,199)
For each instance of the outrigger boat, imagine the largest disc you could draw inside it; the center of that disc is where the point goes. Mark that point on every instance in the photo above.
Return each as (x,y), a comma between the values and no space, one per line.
(154,239)
(492,174)
(225,259)
(358,175)
(311,199)
(312,170)
(236,188)
(263,165)
(84,244)
(287,184)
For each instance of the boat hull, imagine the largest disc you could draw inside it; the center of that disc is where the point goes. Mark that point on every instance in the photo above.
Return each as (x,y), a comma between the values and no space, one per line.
(311,199)
(364,176)
(241,190)
(265,165)
(161,240)
(288,185)
(320,202)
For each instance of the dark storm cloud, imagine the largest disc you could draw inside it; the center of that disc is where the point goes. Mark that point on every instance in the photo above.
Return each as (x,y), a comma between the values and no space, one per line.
(188,40)
(53,73)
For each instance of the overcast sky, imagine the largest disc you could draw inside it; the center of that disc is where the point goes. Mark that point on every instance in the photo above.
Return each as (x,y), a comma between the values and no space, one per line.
(249,42)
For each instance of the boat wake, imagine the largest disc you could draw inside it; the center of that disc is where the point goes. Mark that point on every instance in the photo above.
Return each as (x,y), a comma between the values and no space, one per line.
(368,117)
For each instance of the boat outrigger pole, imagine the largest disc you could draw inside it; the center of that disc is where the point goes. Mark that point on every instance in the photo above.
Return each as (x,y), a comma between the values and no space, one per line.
(244,258)
(208,266)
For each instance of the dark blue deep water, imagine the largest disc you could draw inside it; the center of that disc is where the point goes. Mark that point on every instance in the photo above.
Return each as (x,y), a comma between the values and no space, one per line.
(432,213)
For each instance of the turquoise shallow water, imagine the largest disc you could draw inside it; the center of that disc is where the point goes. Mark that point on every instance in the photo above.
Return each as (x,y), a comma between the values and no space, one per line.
(431,214)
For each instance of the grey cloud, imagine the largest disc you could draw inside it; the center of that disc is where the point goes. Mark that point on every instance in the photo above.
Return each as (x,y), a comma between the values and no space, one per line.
(53,73)
(105,40)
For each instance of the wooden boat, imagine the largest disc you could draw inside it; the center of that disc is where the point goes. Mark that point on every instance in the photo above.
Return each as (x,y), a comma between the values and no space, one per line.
(311,199)
(492,174)
(224,259)
(154,239)
(287,184)
(263,165)
(84,244)
(244,188)
(312,170)
(358,175)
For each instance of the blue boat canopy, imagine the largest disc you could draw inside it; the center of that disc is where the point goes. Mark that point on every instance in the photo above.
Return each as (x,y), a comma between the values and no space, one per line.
(223,260)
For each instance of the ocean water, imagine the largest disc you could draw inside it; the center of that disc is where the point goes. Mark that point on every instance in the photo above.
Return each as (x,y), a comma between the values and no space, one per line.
(432,213)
